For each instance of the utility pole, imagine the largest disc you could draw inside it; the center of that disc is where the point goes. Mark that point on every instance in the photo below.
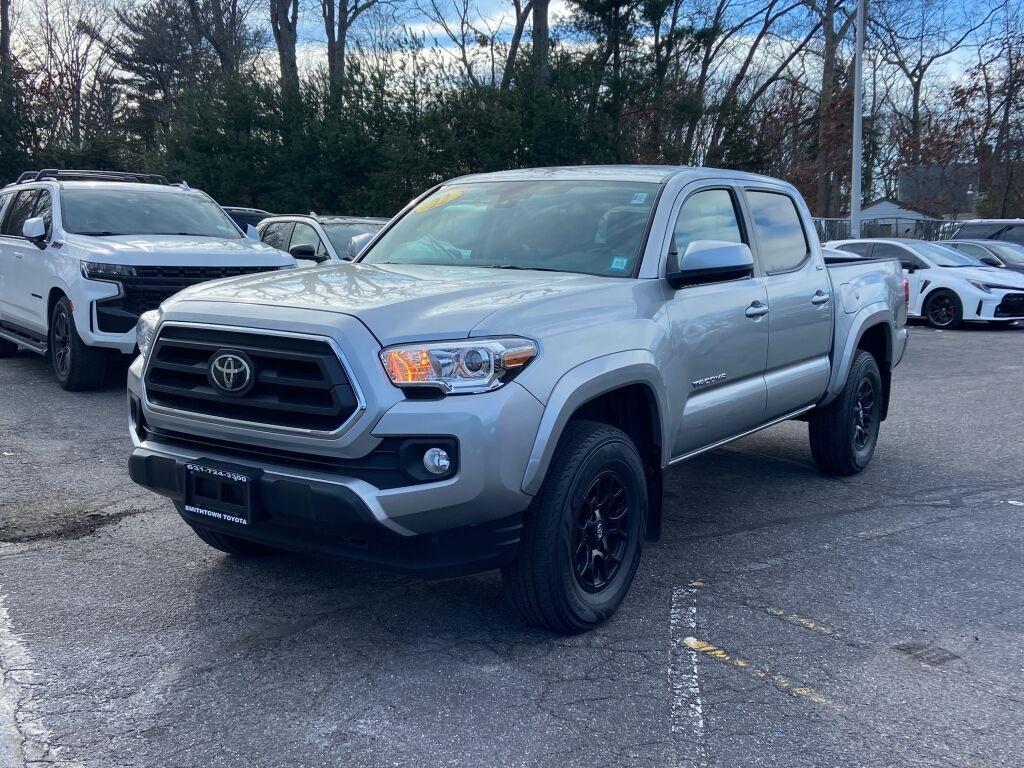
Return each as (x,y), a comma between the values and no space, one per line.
(858,117)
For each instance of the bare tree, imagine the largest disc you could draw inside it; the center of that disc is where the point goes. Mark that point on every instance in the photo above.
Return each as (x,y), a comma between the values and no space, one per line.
(914,35)
(284,23)
(339,17)
(541,41)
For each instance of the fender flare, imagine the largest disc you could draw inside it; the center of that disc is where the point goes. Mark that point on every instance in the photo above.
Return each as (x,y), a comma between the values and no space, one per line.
(583,383)
(867,317)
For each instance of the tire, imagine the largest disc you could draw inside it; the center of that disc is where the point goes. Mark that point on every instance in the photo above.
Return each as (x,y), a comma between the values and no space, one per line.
(844,435)
(8,348)
(558,579)
(943,309)
(76,366)
(232,545)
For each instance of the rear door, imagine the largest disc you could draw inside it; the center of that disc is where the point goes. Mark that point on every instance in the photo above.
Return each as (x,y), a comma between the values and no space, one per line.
(799,302)
(720,348)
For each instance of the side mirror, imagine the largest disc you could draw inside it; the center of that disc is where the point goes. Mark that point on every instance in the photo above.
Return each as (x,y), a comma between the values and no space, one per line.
(252,233)
(307,252)
(708,261)
(357,244)
(991,261)
(34,230)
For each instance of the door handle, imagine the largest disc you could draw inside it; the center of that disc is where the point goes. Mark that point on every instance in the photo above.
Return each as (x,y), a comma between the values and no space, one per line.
(820,298)
(756,309)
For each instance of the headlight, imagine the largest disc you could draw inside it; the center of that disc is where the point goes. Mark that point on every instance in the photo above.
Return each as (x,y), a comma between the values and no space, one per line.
(458,367)
(92,270)
(989,287)
(145,330)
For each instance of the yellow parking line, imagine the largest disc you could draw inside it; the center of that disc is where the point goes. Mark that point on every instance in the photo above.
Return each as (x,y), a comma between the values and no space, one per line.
(781,681)
(802,621)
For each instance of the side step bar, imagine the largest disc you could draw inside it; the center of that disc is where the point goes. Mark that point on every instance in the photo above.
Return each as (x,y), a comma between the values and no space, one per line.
(35,345)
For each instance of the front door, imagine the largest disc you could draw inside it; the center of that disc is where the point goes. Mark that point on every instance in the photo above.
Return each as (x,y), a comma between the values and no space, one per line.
(21,309)
(800,300)
(719,334)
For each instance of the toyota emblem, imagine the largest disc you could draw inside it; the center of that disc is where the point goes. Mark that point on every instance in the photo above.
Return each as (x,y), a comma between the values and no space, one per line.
(231,372)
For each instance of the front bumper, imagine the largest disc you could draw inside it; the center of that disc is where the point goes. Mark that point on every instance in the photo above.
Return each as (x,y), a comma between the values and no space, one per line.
(494,432)
(329,518)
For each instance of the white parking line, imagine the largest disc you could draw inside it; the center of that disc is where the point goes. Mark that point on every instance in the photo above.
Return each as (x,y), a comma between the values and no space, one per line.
(24,740)
(687,707)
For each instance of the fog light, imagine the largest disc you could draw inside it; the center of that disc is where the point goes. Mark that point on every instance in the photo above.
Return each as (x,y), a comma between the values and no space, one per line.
(436,461)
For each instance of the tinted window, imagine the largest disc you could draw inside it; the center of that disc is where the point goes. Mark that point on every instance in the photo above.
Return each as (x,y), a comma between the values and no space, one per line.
(306,235)
(1011,252)
(119,211)
(5,200)
(977,231)
(587,226)
(277,234)
(890,251)
(341,235)
(1014,234)
(708,215)
(970,249)
(44,210)
(861,249)
(781,242)
(21,209)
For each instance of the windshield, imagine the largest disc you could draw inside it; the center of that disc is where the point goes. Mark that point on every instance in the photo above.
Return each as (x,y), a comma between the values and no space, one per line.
(591,227)
(944,256)
(1009,252)
(341,235)
(118,211)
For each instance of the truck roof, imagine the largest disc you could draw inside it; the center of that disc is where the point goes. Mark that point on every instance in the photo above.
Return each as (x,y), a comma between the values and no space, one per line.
(649,173)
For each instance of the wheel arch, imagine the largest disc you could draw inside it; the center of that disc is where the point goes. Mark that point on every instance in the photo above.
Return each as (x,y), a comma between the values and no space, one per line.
(56,294)
(624,390)
(872,329)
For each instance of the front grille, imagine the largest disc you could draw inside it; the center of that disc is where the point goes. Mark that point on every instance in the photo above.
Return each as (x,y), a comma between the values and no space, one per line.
(299,383)
(1012,305)
(151,285)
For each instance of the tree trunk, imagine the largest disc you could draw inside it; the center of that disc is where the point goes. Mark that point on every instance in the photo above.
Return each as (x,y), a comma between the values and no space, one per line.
(541,42)
(5,33)
(284,20)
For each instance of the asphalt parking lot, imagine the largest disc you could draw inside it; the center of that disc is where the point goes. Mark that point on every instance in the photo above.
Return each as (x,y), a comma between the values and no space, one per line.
(786,619)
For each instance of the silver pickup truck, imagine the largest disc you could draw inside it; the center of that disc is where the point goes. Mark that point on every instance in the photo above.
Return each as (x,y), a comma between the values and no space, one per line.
(506,373)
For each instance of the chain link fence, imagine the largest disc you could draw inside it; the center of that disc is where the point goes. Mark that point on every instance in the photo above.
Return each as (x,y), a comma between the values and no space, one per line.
(919,229)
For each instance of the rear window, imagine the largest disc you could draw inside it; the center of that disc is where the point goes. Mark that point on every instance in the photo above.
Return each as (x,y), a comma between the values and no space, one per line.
(861,249)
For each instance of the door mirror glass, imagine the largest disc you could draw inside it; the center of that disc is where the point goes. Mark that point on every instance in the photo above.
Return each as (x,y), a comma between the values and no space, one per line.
(709,261)
(34,229)
(251,232)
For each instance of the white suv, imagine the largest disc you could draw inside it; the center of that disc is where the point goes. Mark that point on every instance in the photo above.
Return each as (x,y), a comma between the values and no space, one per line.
(947,287)
(84,253)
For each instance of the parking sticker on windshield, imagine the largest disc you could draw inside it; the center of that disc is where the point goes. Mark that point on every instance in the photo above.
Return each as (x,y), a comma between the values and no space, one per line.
(619,263)
(639,198)
(438,200)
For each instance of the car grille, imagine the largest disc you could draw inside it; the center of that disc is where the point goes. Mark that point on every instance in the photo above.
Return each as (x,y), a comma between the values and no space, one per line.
(1012,305)
(299,383)
(151,286)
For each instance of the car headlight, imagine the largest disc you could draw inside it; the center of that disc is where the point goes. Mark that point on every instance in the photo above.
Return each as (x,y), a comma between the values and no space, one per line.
(92,270)
(458,367)
(145,330)
(989,287)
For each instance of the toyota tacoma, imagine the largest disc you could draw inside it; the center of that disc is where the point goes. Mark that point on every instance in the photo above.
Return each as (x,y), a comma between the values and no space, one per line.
(506,373)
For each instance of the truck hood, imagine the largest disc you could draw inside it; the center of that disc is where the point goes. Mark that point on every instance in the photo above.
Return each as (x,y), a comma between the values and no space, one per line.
(401,303)
(177,250)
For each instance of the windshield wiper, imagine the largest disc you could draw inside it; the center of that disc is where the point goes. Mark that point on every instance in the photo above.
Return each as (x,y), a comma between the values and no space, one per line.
(101,233)
(515,266)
